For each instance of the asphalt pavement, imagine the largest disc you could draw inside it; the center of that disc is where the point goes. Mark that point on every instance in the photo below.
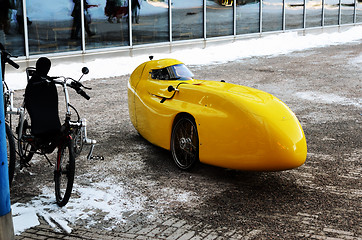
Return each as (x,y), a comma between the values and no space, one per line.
(320,200)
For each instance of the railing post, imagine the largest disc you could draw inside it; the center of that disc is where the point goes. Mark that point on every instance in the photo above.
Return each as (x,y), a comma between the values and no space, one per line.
(6,221)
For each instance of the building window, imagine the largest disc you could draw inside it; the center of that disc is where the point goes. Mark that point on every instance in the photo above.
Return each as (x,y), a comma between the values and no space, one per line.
(187,19)
(347,11)
(247,16)
(294,14)
(314,13)
(272,15)
(108,26)
(331,12)
(219,18)
(51,25)
(359,11)
(11,27)
(150,21)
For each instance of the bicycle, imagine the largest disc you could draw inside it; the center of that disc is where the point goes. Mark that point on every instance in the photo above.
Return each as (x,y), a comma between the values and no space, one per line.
(70,143)
(9,110)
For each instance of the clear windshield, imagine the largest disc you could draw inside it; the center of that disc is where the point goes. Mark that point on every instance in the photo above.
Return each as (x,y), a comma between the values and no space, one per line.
(175,72)
(181,72)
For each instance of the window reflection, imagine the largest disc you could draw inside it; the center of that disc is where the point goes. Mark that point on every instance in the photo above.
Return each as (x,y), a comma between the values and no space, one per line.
(55,25)
(331,12)
(150,25)
(109,24)
(359,11)
(187,19)
(51,30)
(219,18)
(247,16)
(272,15)
(294,14)
(314,13)
(347,10)
(11,33)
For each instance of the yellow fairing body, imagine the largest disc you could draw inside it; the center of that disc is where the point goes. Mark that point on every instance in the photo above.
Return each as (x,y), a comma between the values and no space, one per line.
(238,127)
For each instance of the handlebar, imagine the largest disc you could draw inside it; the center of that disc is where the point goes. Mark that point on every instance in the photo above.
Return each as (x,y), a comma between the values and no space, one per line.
(76,85)
(83,94)
(6,57)
(12,63)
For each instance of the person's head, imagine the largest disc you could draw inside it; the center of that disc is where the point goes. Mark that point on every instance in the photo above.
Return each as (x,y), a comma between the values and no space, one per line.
(43,66)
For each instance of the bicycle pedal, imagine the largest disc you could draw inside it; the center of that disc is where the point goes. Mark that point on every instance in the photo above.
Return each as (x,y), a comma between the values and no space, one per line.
(96,158)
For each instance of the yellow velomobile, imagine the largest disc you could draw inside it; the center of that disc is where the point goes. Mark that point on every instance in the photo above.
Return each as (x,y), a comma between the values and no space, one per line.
(216,123)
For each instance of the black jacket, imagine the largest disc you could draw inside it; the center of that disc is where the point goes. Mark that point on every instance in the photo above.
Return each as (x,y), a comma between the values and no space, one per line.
(41,102)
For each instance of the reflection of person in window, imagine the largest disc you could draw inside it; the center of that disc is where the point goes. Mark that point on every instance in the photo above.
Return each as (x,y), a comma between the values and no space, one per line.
(76,14)
(114,9)
(135,11)
(5,13)
(20,16)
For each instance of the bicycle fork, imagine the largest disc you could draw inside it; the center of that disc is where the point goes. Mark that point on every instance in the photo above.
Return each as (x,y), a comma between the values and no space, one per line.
(85,140)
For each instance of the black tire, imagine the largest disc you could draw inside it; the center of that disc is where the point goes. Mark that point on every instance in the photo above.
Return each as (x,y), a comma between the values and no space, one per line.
(26,149)
(64,173)
(185,143)
(10,142)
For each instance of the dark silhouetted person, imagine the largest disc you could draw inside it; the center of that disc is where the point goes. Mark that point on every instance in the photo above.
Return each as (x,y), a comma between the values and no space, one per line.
(41,102)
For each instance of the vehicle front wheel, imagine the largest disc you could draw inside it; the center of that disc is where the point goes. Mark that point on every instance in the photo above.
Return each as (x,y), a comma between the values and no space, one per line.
(185,143)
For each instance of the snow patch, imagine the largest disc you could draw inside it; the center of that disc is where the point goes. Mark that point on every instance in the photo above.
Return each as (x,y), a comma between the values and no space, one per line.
(325,98)
(109,198)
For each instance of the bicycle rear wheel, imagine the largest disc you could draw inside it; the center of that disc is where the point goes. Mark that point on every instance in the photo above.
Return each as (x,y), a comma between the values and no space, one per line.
(64,173)
(11,152)
(26,149)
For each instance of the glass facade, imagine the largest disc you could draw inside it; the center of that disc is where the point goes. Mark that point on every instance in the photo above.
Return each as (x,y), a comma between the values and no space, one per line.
(248,16)
(272,15)
(49,31)
(313,13)
(358,11)
(219,18)
(109,26)
(31,27)
(150,23)
(331,9)
(294,18)
(187,20)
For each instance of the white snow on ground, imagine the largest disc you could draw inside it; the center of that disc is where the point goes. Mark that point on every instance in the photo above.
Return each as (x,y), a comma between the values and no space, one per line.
(114,199)
(283,43)
(325,98)
(106,197)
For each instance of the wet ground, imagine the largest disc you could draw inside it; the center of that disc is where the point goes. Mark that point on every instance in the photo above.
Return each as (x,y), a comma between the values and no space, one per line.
(321,199)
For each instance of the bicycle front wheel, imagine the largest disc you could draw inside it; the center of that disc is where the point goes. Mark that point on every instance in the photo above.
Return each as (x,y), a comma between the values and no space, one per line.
(10,146)
(64,173)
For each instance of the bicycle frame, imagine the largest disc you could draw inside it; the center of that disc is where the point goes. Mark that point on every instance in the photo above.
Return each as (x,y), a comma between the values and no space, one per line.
(10,109)
(82,124)
(79,125)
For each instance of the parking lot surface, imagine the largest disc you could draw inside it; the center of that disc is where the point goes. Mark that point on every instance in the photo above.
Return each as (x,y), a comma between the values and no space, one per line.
(150,198)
